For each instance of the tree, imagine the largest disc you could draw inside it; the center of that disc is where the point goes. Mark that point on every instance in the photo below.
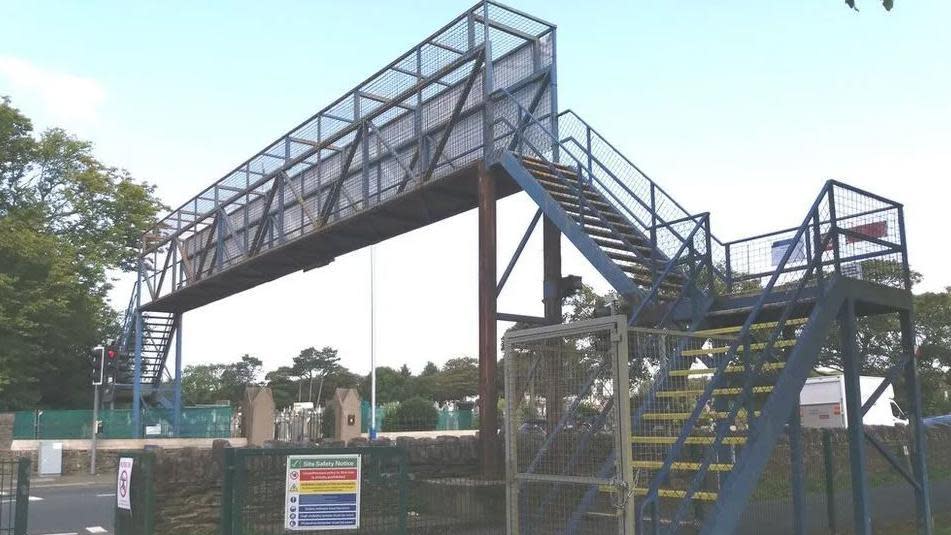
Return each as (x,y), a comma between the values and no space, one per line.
(312,364)
(210,383)
(66,219)
(390,385)
(429,369)
(414,414)
(285,388)
(458,379)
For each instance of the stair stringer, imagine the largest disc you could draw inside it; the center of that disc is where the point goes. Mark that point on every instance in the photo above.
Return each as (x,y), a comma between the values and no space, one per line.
(616,277)
(735,493)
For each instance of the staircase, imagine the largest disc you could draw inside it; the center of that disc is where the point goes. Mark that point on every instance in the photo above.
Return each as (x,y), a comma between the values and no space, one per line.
(746,332)
(157,331)
(653,253)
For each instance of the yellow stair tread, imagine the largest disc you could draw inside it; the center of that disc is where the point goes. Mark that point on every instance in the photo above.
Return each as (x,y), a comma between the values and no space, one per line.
(729,369)
(755,326)
(701,495)
(729,441)
(676,416)
(656,465)
(716,392)
(723,349)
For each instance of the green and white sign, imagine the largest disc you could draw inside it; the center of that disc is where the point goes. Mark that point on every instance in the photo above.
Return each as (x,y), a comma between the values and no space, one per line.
(322,492)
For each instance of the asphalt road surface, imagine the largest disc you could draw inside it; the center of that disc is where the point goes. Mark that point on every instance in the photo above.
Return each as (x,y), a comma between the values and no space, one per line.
(72,508)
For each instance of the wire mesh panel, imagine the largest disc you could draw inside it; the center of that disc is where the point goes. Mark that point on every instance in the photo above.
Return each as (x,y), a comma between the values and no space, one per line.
(567,419)
(259,495)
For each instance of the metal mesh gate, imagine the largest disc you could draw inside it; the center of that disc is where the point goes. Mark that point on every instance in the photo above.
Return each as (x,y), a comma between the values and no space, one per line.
(14,496)
(567,421)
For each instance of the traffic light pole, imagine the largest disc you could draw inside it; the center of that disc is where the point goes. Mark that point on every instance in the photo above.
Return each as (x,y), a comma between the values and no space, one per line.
(95,430)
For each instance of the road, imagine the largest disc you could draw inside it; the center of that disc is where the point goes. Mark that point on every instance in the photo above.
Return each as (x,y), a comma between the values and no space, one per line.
(75,506)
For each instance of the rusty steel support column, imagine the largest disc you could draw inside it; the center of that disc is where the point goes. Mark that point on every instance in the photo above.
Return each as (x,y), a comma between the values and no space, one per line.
(488,338)
(551,238)
(551,296)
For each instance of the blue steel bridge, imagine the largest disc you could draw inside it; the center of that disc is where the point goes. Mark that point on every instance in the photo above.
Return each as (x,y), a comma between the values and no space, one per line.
(471,115)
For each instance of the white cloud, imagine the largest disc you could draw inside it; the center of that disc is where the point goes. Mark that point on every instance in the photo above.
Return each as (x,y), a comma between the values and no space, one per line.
(65,97)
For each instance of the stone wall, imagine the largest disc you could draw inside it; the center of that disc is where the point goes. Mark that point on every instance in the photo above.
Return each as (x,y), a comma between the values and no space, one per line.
(6,429)
(188,482)
(187,486)
(74,461)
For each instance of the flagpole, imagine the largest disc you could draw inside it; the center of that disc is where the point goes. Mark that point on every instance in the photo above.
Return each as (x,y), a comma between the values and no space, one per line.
(372,426)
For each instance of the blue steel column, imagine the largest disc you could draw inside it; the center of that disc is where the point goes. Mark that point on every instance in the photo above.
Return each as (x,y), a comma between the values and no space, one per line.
(137,361)
(856,432)
(177,406)
(923,495)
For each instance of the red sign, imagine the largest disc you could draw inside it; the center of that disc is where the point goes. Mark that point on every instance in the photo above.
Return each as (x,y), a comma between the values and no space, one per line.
(328,474)
(878,229)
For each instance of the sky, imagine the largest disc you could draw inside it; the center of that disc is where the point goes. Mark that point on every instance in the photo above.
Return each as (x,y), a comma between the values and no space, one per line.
(742,109)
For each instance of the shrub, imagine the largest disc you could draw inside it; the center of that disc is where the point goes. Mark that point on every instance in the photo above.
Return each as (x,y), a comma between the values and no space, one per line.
(414,414)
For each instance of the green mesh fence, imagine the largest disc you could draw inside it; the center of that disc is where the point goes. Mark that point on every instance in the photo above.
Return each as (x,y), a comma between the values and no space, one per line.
(197,422)
(447,420)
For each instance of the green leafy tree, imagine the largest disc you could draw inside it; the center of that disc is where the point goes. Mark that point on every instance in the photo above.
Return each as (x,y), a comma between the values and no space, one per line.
(284,385)
(390,385)
(414,414)
(66,220)
(313,365)
(210,383)
(458,379)
(429,369)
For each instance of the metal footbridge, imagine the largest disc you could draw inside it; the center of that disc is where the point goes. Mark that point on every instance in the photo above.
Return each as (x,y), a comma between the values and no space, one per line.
(471,115)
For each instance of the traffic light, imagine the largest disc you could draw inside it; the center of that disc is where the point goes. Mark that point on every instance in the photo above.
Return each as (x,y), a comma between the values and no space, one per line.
(98,361)
(111,364)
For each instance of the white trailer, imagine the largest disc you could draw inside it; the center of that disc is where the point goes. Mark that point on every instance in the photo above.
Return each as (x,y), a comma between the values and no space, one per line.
(822,403)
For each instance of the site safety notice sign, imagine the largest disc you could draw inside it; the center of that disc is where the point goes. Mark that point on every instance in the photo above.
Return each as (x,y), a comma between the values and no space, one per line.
(322,492)
(124,484)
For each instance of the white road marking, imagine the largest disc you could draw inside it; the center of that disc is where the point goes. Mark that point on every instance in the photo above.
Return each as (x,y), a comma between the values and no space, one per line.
(106,495)
(96,529)
(32,499)
(68,533)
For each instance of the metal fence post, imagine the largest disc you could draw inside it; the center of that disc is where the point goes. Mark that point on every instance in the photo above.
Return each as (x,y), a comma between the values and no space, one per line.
(919,459)
(227,491)
(404,491)
(853,406)
(795,460)
(830,479)
(22,514)
(149,521)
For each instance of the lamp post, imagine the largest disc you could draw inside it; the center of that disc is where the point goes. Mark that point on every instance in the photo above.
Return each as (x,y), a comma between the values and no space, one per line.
(372,427)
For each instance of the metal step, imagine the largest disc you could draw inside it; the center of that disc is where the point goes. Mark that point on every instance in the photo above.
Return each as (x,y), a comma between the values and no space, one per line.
(719,350)
(537,163)
(716,392)
(682,466)
(607,244)
(682,416)
(769,366)
(696,440)
(793,322)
